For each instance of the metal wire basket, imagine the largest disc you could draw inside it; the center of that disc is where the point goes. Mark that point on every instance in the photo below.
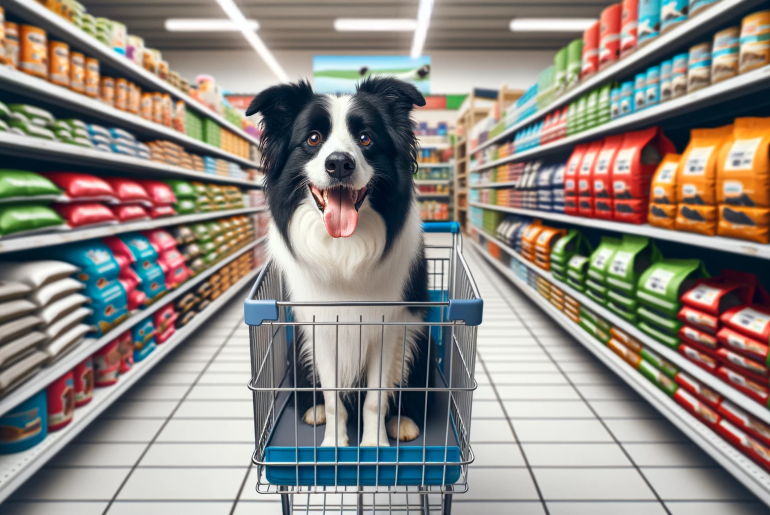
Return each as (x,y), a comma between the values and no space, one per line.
(403,477)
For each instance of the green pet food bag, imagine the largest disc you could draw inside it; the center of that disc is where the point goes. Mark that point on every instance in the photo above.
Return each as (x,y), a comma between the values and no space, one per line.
(17,218)
(4,111)
(182,189)
(601,259)
(20,185)
(658,378)
(661,364)
(663,283)
(634,255)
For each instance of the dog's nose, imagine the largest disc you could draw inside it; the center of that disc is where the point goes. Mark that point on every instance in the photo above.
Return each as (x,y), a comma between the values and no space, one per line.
(340,165)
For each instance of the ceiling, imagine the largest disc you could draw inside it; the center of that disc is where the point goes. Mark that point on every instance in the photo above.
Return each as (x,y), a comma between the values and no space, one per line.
(309,24)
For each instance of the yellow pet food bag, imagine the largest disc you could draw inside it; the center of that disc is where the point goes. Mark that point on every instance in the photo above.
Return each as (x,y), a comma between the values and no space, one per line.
(696,175)
(662,215)
(663,189)
(743,170)
(696,218)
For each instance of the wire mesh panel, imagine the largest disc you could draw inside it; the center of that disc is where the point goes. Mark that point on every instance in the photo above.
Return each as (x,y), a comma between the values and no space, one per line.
(365,398)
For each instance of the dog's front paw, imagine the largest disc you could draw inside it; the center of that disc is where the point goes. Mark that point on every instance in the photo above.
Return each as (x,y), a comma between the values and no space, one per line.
(329,442)
(315,416)
(371,440)
(407,431)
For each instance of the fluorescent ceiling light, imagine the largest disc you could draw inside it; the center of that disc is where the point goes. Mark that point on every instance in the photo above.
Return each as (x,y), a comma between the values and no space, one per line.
(423,22)
(235,14)
(551,24)
(374,25)
(206,25)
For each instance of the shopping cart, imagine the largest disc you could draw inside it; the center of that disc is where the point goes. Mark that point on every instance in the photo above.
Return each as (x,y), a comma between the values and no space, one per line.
(419,476)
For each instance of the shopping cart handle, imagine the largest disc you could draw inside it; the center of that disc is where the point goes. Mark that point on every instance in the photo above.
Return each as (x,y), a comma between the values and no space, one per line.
(257,311)
(453,227)
(469,310)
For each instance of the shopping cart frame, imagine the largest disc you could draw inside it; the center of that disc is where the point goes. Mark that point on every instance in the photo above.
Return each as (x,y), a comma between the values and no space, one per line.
(456,310)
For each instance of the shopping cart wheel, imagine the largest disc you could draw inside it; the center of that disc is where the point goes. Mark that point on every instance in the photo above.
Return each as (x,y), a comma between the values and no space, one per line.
(285,501)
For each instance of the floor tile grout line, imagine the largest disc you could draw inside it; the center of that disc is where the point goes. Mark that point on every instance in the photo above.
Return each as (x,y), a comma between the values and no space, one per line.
(485,270)
(516,438)
(240,490)
(171,415)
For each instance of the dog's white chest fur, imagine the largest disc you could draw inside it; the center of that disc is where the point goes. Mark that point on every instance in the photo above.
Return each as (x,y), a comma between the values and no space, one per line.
(326,269)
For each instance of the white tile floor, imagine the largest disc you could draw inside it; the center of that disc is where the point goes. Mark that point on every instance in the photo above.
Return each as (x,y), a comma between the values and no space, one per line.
(554,432)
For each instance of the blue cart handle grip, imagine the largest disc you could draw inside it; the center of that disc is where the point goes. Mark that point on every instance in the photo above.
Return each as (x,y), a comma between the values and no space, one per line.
(451,227)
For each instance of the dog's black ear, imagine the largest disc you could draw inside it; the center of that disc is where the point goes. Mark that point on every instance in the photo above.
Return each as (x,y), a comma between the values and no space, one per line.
(281,104)
(400,93)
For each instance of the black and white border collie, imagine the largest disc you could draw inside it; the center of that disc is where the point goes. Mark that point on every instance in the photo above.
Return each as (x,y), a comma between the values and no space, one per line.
(346,227)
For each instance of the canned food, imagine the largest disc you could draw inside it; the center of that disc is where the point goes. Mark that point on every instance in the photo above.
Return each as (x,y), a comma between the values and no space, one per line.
(147,106)
(121,94)
(59,63)
(725,53)
(92,77)
(84,382)
(77,72)
(61,401)
(3,52)
(33,58)
(108,90)
(11,44)
(134,98)
(755,41)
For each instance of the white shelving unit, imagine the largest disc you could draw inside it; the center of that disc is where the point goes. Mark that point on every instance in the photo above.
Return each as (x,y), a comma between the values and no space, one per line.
(34,87)
(88,346)
(734,246)
(434,195)
(703,25)
(433,182)
(741,467)
(62,153)
(720,92)
(62,237)
(493,185)
(435,165)
(17,468)
(38,15)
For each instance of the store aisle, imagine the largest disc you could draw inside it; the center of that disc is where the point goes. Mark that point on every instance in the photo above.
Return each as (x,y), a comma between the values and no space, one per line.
(554,431)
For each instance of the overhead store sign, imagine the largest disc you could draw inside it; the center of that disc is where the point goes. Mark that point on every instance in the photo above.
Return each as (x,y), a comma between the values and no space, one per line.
(340,73)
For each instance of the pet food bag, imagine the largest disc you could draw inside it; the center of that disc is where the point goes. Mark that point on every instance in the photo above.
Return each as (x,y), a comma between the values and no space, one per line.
(33,57)
(632,172)
(106,363)
(672,13)
(658,378)
(22,186)
(697,6)
(747,367)
(628,355)
(571,179)
(597,269)
(659,362)
(18,219)
(755,41)
(697,408)
(629,21)
(698,389)
(750,446)
(699,67)
(61,402)
(663,192)
(703,359)
(696,180)
(80,187)
(658,292)
(633,256)
(743,345)
(745,421)
(758,392)
(743,181)
(24,426)
(602,178)
(83,374)
(143,337)
(609,35)
(585,180)
(577,269)
(83,214)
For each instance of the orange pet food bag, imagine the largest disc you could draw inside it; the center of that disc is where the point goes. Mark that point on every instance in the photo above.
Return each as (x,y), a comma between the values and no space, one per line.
(663,193)
(33,58)
(743,181)
(59,63)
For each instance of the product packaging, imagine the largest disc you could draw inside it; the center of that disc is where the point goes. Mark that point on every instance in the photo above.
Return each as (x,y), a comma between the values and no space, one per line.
(672,13)
(679,75)
(666,84)
(590,59)
(649,20)
(755,41)
(602,177)
(93,78)
(609,35)
(61,402)
(699,67)
(725,54)
(24,426)
(629,19)
(663,192)
(59,63)
(33,56)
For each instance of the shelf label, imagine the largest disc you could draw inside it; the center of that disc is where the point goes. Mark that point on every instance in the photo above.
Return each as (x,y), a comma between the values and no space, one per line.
(658,281)
(601,258)
(620,263)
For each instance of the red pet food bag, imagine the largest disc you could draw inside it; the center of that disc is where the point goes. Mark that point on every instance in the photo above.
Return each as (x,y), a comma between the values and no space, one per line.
(742,344)
(128,191)
(747,367)
(106,362)
(571,179)
(160,193)
(609,35)
(585,180)
(126,351)
(697,408)
(751,447)
(590,58)
(629,18)
(701,359)
(698,389)
(162,211)
(161,240)
(758,392)
(130,212)
(752,321)
(602,178)
(635,164)
(83,214)
(81,187)
(699,339)
(745,421)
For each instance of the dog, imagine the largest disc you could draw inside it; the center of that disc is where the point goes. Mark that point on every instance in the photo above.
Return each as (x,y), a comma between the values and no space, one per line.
(346,227)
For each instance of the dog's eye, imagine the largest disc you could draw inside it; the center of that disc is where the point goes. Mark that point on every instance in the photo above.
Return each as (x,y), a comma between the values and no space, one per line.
(364,140)
(314,138)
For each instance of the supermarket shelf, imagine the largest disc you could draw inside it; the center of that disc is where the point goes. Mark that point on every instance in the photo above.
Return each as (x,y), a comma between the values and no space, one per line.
(689,367)
(742,468)
(36,14)
(86,348)
(721,92)
(63,237)
(435,165)
(17,468)
(692,30)
(433,195)
(432,182)
(34,87)
(62,153)
(436,146)
(746,248)
(493,185)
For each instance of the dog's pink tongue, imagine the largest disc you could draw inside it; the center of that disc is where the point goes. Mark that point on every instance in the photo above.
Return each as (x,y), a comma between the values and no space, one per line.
(340,215)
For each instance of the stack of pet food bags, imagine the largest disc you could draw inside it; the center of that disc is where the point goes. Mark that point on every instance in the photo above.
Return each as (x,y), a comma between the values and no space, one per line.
(117,141)
(73,390)
(632,257)
(527,185)
(85,199)
(557,297)
(114,359)
(41,315)
(658,292)
(100,271)
(562,251)
(595,325)
(163,199)
(185,195)
(595,283)
(143,339)
(543,244)
(171,261)
(577,268)
(543,287)
(25,199)
(529,239)
(134,250)
(550,188)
